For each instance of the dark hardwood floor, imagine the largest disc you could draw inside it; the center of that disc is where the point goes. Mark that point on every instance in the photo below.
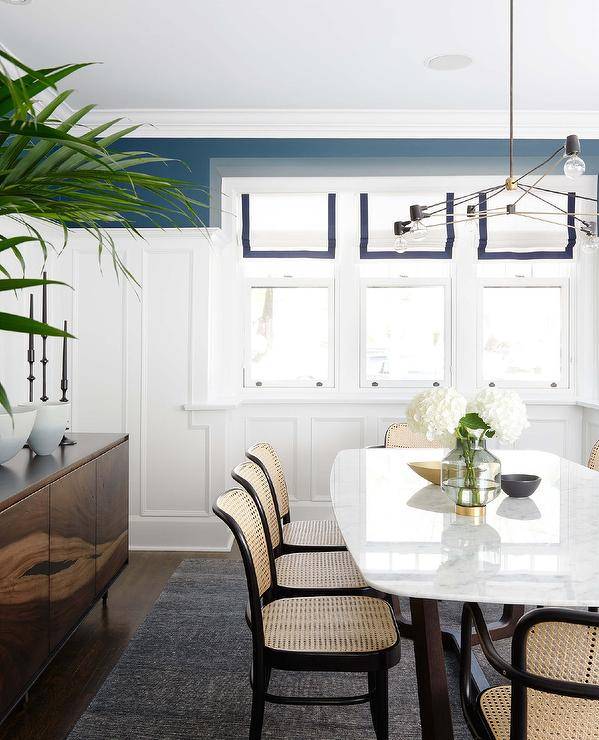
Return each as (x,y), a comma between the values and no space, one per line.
(64,691)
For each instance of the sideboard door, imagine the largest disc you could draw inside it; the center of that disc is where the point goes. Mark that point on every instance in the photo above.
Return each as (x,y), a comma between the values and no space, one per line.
(112,541)
(72,549)
(24,588)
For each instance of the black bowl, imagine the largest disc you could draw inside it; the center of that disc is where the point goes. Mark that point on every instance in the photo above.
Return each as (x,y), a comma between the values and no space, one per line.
(519,485)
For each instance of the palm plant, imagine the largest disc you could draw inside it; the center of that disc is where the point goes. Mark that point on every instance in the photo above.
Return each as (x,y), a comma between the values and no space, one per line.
(52,171)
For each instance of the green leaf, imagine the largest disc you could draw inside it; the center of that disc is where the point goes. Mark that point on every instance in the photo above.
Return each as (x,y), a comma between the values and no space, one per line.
(473,421)
(15,284)
(25,325)
(4,402)
(14,241)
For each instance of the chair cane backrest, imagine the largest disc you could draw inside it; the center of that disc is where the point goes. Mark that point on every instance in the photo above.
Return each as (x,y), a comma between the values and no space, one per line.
(254,480)
(238,509)
(266,456)
(593,462)
(568,651)
(399,435)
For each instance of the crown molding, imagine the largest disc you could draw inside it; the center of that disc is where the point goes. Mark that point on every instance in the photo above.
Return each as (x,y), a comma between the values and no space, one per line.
(349,124)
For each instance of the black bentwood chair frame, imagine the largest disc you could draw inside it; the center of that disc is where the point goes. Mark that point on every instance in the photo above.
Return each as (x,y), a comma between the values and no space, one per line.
(286,634)
(513,711)
(301,573)
(301,535)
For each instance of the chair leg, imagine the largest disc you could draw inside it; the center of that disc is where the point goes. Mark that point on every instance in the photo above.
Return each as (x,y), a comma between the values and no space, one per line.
(381,727)
(257,714)
(372,692)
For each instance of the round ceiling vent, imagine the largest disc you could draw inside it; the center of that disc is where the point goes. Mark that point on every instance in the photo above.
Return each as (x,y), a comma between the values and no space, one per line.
(449,62)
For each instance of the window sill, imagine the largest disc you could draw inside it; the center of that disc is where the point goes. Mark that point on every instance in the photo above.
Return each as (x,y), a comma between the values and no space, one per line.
(367,398)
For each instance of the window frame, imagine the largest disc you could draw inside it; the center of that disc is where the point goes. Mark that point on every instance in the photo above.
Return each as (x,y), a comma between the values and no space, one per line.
(565,382)
(249,382)
(445,283)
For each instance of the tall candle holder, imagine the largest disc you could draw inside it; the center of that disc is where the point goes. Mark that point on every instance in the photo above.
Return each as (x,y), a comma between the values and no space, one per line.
(31,353)
(64,385)
(44,360)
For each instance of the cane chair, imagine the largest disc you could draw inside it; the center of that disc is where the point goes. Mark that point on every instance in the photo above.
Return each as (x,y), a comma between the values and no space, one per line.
(326,572)
(554,675)
(593,462)
(297,536)
(399,435)
(354,634)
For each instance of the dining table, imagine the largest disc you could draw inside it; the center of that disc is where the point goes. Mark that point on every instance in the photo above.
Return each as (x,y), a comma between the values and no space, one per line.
(407,541)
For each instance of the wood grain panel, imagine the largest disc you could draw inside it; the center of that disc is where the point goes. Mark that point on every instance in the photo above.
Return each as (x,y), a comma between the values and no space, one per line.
(112,541)
(72,549)
(24,592)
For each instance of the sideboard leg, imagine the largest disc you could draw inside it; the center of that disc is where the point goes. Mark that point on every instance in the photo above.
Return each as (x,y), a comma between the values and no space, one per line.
(104,598)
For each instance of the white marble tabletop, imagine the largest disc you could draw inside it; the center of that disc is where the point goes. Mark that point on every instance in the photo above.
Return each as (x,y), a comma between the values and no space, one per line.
(406,540)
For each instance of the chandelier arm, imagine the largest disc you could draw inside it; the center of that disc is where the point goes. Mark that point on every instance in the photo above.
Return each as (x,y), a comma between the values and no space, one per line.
(559,192)
(460,199)
(575,216)
(542,164)
(547,202)
(528,188)
(537,218)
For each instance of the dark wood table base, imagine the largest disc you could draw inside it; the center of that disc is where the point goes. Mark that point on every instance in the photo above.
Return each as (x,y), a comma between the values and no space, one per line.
(430,642)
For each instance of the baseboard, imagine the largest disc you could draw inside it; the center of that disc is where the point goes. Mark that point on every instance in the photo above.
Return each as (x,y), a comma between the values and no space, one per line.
(177,534)
(202,534)
(311,510)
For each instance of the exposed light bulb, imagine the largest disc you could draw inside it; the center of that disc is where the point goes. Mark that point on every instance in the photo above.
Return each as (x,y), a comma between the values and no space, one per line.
(400,244)
(574,166)
(417,231)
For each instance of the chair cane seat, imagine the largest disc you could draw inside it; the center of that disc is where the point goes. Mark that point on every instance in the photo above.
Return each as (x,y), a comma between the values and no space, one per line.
(312,533)
(319,570)
(550,716)
(329,624)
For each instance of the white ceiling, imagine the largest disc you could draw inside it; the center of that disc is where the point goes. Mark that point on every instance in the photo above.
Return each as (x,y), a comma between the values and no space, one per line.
(311,54)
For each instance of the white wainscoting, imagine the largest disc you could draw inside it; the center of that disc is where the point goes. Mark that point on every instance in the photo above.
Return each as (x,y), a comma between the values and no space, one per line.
(140,359)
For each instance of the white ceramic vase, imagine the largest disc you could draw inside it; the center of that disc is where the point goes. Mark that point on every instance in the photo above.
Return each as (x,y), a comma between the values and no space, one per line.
(50,425)
(14,433)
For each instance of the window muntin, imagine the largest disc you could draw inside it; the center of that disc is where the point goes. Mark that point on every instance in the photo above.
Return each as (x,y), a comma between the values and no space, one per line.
(523,334)
(405,334)
(290,340)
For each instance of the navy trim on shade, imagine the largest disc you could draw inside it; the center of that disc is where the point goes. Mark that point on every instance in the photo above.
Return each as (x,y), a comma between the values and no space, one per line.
(329,254)
(446,254)
(567,254)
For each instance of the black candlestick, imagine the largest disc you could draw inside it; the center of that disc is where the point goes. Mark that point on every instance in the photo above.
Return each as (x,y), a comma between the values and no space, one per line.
(44,360)
(31,353)
(64,384)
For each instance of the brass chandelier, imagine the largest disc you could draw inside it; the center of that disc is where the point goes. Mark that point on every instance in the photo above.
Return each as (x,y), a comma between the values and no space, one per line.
(415,229)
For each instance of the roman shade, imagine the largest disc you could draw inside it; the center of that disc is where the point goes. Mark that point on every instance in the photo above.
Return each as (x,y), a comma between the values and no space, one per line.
(288,225)
(379,211)
(513,236)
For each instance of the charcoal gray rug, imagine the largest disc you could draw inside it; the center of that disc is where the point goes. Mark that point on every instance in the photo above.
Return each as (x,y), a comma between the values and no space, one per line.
(184,676)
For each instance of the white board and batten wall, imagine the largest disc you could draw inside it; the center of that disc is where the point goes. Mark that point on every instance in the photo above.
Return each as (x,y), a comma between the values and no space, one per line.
(161,363)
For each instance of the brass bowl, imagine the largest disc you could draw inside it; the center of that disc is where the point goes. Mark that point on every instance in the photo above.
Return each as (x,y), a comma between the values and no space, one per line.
(430,471)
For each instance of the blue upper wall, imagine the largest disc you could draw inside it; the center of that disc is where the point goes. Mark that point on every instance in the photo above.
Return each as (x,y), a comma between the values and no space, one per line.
(205,157)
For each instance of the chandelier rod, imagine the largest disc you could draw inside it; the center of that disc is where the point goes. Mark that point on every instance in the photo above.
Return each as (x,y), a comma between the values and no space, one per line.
(511,145)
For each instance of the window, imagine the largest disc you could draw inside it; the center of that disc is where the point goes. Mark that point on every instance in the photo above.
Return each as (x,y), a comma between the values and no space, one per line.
(328,310)
(290,334)
(404,334)
(524,334)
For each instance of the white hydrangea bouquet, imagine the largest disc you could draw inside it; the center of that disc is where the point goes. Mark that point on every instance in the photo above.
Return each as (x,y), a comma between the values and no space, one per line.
(470,474)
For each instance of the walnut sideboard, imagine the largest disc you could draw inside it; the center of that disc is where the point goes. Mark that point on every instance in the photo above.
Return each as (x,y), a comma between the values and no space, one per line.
(63,540)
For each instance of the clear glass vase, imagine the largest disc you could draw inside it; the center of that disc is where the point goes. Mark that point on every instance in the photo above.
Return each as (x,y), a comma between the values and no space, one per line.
(471,476)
